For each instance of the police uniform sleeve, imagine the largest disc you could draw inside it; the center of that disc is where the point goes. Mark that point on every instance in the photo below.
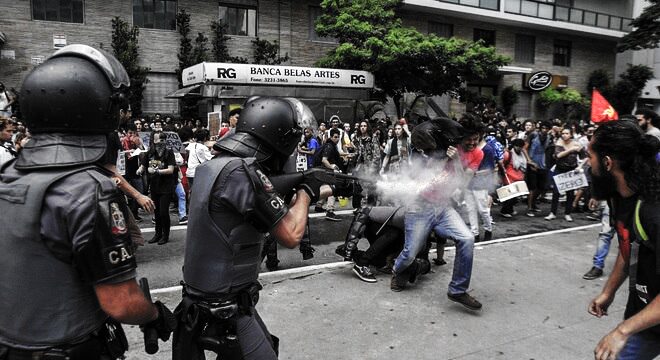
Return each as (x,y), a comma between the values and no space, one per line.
(248,190)
(101,243)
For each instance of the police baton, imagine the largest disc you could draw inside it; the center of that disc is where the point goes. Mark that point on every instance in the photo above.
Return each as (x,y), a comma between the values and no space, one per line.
(150,334)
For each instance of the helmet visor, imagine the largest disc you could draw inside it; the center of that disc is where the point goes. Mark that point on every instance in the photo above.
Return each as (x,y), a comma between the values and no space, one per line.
(112,68)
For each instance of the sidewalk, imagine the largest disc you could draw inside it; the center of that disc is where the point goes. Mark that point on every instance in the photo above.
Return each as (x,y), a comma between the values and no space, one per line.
(534,308)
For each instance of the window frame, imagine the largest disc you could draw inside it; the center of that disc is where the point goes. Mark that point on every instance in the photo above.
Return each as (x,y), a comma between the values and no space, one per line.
(475,39)
(82,12)
(311,34)
(441,24)
(559,44)
(241,7)
(153,14)
(520,59)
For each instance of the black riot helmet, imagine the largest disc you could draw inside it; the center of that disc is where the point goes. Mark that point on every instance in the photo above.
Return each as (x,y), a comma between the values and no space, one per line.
(437,135)
(269,129)
(79,90)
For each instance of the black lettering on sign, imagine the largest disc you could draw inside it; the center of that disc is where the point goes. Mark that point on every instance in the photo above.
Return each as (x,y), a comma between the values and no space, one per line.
(358,79)
(226,73)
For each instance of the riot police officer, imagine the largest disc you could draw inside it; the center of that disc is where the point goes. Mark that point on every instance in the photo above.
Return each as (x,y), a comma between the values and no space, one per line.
(67,267)
(233,205)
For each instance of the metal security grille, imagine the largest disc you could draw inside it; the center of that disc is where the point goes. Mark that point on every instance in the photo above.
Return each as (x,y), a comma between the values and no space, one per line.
(159,85)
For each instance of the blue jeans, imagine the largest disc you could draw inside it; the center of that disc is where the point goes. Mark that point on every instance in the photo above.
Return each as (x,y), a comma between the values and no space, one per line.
(181,194)
(604,238)
(643,346)
(446,223)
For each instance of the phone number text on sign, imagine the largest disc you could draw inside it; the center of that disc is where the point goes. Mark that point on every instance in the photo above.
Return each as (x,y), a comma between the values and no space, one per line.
(571,180)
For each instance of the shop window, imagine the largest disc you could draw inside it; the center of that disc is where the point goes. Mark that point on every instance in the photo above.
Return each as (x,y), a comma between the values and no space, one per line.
(441,29)
(314,14)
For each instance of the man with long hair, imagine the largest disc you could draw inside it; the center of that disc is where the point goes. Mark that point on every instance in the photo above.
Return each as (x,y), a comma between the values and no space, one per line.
(625,172)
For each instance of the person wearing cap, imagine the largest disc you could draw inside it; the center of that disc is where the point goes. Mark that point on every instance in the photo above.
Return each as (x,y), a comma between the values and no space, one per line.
(232,119)
(67,256)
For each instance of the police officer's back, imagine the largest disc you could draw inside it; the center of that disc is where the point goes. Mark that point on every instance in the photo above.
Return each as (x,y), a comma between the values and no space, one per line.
(232,206)
(67,268)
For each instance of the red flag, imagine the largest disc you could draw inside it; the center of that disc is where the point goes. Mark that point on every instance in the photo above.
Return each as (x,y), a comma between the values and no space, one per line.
(601,110)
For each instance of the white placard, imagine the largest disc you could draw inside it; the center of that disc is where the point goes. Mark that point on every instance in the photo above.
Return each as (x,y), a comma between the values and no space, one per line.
(173,141)
(571,180)
(36,60)
(301,162)
(249,74)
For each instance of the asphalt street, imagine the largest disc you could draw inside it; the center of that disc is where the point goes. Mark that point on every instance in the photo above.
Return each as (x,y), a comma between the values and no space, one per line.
(534,306)
(529,279)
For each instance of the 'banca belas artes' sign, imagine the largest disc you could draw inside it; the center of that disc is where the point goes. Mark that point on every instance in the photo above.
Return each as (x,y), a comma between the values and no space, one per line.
(249,74)
(539,80)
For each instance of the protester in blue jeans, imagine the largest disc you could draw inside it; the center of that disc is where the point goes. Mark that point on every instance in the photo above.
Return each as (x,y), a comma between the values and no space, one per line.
(604,240)
(433,211)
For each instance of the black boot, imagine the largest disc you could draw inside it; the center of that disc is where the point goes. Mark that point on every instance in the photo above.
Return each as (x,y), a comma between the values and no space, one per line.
(156,238)
(356,232)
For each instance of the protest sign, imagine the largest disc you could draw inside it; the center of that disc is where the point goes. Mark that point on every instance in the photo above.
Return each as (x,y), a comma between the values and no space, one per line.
(571,180)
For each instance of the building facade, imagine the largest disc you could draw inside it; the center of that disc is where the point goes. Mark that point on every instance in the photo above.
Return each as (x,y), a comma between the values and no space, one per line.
(567,38)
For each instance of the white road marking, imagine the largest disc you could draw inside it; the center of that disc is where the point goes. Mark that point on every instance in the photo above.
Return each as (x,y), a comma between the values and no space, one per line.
(342,264)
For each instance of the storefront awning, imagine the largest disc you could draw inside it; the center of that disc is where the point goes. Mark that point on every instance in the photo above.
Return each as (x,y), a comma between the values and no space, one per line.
(651,90)
(189,91)
(223,91)
(515,70)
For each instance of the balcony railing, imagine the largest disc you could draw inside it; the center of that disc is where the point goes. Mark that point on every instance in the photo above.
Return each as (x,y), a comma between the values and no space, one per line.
(567,14)
(484,4)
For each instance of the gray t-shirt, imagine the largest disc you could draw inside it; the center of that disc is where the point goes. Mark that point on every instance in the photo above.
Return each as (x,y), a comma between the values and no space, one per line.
(653,131)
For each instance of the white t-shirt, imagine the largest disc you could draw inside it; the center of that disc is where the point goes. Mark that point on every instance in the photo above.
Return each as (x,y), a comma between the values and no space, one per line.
(5,155)
(4,100)
(197,154)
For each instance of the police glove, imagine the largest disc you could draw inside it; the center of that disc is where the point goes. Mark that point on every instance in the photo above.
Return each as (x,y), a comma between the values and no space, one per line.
(164,324)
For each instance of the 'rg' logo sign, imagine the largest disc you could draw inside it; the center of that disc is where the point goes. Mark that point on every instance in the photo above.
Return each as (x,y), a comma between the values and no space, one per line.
(226,73)
(358,79)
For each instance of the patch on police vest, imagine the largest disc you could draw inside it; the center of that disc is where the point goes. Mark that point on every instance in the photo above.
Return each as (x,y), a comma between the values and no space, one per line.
(265,182)
(118,221)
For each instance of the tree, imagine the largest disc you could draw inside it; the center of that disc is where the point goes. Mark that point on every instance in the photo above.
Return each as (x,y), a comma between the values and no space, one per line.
(220,50)
(624,93)
(402,59)
(185,46)
(509,98)
(267,53)
(126,50)
(569,100)
(200,52)
(646,33)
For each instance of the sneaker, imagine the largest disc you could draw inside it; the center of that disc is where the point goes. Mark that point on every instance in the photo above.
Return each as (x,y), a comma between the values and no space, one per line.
(488,235)
(550,216)
(307,251)
(508,216)
(319,209)
(330,215)
(514,213)
(466,300)
(592,274)
(183,220)
(537,210)
(568,218)
(530,214)
(364,273)
(271,263)
(398,282)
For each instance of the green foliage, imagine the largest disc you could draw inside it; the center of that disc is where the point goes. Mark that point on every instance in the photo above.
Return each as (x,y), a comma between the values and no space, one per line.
(266,52)
(185,47)
(402,59)
(200,51)
(625,92)
(568,100)
(509,98)
(126,50)
(220,50)
(646,33)
(599,79)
